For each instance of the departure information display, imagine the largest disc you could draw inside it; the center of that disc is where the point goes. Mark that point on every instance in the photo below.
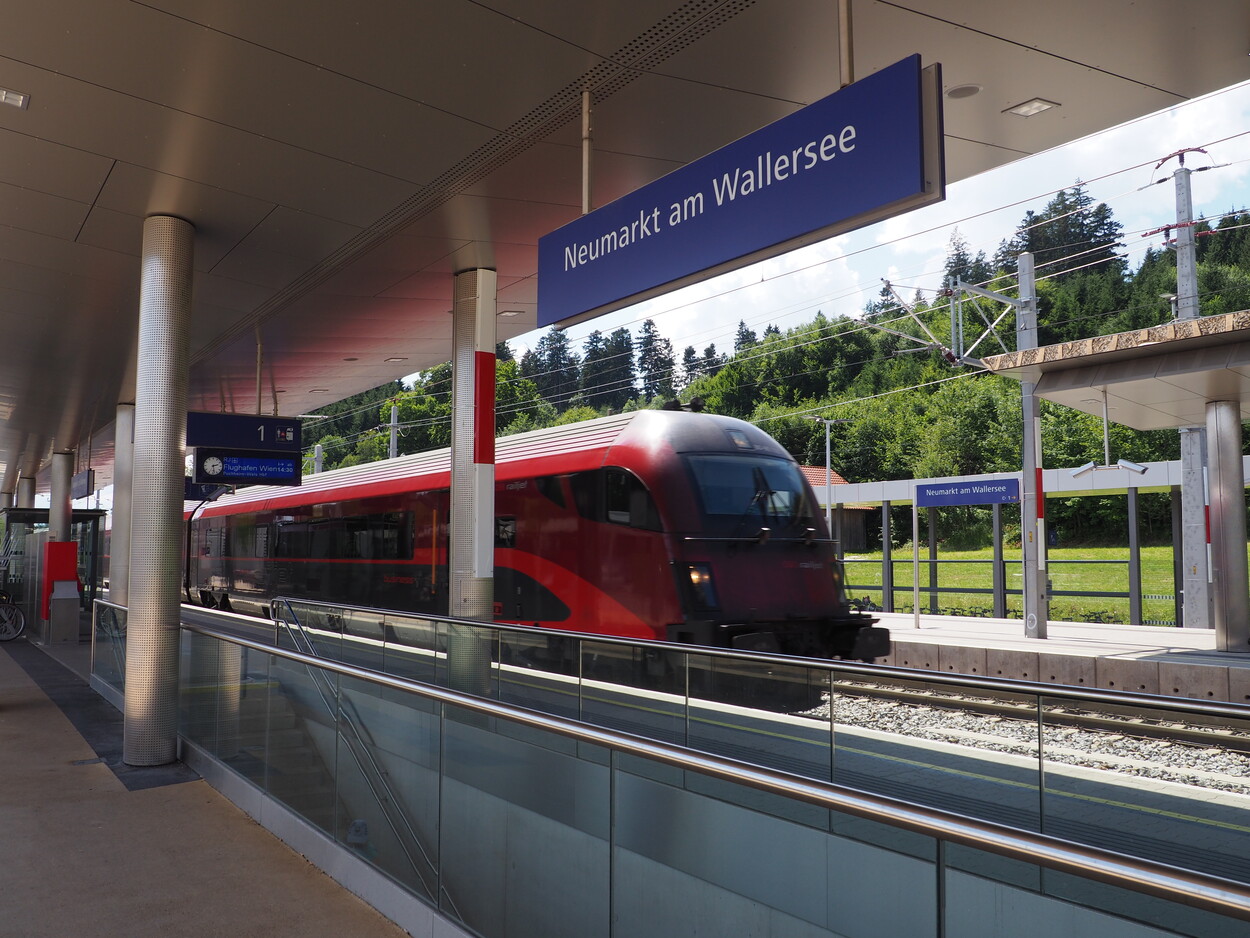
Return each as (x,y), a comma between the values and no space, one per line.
(236,467)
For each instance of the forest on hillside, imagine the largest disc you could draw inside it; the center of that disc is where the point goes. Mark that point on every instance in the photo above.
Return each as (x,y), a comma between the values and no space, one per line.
(901,414)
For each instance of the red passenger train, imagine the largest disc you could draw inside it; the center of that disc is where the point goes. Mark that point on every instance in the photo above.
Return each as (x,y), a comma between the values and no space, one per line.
(660,525)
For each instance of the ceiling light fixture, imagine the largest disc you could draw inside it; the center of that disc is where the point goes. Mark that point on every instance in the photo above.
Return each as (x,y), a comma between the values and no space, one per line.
(963,91)
(509,313)
(318,390)
(1032,106)
(14,98)
(400,358)
(351,359)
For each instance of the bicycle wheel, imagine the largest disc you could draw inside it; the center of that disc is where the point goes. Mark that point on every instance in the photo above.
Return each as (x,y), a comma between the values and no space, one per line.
(12,622)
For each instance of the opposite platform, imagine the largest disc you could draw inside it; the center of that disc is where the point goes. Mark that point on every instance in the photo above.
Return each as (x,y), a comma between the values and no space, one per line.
(94,849)
(1142,659)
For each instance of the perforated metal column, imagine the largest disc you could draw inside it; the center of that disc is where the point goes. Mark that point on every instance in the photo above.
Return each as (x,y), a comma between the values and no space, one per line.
(1231,593)
(123,480)
(62,475)
(473,477)
(151,718)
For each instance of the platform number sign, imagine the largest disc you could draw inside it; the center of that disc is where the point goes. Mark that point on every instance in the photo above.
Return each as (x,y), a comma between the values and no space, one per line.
(245,449)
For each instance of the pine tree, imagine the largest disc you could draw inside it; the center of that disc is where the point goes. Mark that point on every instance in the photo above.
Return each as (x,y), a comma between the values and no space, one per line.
(745,337)
(656,362)
(619,378)
(690,365)
(558,369)
(961,265)
(596,370)
(711,362)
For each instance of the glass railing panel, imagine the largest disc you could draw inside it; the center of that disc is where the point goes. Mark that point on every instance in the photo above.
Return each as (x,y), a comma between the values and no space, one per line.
(302,741)
(525,833)
(248,748)
(971,751)
(198,689)
(634,689)
(313,628)
(471,654)
(986,894)
(387,773)
(415,648)
(716,866)
(763,712)
(539,672)
(108,645)
(363,639)
(1157,784)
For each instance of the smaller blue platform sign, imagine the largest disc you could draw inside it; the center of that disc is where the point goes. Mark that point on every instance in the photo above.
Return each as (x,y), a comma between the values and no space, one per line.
(992,492)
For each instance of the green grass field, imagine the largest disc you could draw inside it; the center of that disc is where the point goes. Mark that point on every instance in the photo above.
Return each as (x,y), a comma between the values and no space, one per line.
(1083,569)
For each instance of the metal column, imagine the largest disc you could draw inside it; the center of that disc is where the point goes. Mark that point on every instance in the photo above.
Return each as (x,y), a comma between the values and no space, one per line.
(151,712)
(123,479)
(1134,561)
(62,476)
(931,520)
(472,477)
(1195,581)
(25,492)
(1231,591)
(999,576)
(1033,501)
(887,560)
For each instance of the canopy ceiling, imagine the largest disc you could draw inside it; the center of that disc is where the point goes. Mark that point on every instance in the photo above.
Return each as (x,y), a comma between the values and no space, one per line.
(340,160)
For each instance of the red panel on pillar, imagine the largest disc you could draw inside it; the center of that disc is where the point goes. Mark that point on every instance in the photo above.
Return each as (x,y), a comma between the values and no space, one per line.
(484,408)
(60,562)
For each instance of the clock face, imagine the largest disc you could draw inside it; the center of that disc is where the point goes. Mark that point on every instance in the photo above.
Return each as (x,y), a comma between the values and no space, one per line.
(213,466)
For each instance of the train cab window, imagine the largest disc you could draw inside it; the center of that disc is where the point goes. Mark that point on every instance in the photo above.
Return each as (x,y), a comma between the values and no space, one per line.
(617,496)
(743,487)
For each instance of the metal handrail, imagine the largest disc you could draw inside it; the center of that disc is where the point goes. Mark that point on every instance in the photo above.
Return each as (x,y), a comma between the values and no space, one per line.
(376,776)
(867,671)
(1184,888)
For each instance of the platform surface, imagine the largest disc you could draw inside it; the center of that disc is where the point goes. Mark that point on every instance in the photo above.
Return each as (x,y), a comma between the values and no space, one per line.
(1138,658)
(90,851)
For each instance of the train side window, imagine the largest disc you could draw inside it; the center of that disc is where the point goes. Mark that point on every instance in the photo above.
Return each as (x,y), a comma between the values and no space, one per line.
(549,487)
(628,501)
(585,486)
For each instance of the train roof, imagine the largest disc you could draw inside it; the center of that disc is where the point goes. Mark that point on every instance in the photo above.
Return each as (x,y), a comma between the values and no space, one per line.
(574,447)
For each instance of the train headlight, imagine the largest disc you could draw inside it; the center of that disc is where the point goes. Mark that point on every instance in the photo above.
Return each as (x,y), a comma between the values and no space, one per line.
(702,590)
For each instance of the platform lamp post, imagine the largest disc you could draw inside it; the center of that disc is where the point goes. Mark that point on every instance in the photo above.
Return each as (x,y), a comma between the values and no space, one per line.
(828,422)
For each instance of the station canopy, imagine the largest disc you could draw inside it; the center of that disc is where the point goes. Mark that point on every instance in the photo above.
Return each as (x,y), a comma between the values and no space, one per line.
(341,160)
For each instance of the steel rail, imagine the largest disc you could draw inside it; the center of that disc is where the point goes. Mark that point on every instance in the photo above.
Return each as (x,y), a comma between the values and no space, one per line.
(1194,890)
(868,672)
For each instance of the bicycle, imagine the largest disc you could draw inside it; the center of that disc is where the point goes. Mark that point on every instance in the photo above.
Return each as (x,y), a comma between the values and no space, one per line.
(12,620)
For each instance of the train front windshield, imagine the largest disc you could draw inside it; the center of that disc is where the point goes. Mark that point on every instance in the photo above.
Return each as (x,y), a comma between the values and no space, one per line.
(752,490)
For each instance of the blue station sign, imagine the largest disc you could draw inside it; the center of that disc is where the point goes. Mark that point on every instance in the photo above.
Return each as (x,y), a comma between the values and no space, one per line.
(992,492)
(862,154)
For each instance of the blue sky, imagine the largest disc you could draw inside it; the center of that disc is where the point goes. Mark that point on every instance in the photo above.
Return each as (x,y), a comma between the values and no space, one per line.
(841,275)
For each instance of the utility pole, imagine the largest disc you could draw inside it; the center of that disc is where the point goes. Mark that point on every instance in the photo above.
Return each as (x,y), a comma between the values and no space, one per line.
(1196,583)
(394,450)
